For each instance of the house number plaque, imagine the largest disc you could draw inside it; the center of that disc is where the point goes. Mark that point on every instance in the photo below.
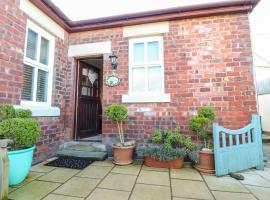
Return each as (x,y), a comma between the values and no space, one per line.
(112,80)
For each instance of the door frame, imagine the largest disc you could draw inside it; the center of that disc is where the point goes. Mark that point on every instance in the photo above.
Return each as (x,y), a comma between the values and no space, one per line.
(77,79)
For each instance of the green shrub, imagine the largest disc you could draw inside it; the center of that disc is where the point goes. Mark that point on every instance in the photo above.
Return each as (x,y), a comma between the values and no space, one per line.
(169,145)
(23,113)
(118,113)
(24,132)
(161,153)
(7,111)
(201,124)
(207,112)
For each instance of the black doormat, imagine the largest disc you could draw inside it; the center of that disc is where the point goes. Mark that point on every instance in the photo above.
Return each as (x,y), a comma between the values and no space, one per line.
(73,163)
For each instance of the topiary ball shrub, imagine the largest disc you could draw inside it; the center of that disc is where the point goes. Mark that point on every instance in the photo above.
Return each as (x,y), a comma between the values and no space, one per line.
(24,132)
(23,113)
(7,111)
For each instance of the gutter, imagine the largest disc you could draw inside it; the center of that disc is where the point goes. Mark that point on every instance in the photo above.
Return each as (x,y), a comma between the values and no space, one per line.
(181,12)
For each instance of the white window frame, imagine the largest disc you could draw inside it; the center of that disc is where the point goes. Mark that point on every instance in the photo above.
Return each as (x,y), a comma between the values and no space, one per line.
(146,96)
(146,64)
(37,65)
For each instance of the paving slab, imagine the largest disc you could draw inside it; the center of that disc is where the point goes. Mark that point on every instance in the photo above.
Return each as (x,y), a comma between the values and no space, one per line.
(231,196)
(129,169)
(144,167)
(78,187)
(186,173)
(179,198)
(33,191)
(59,175)
(190,189)
(31,176)
(42,168)
(150,192)
(104,194)
(260,192)
(225,183)
(122,182)
(154,178)
(60,197)
(257,180)
(92,171)
(264,174)
(105,163)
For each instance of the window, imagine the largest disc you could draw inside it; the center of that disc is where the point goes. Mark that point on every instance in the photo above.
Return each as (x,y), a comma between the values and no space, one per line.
(146,73)
(38,66)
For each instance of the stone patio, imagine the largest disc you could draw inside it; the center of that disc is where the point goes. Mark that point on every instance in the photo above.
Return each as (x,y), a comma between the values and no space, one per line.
(104,181)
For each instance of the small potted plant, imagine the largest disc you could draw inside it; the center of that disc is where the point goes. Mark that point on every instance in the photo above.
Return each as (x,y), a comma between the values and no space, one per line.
(122,151)
(201,125)
(19,126)
(167,149)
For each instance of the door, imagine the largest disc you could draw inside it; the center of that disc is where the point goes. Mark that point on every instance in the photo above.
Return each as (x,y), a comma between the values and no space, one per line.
(88,112)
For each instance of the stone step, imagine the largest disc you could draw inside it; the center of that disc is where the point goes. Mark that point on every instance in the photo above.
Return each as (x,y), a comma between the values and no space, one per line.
(84,146)
(83,149)
(88,155)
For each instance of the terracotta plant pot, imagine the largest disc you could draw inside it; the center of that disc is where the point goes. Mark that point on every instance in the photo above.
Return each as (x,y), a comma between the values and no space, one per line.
(123,155)
(206,163)
(174,164)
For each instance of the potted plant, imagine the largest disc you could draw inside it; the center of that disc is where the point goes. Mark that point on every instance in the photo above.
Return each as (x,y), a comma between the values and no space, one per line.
(24,131)
(167,149)
(122,151)
(201,125)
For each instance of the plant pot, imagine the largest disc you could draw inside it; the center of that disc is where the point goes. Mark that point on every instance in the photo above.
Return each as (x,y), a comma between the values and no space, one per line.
(174,164)
(123,155)
(20,162)
(206,163)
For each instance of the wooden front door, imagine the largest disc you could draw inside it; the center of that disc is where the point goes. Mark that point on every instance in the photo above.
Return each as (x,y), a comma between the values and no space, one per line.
(88,121)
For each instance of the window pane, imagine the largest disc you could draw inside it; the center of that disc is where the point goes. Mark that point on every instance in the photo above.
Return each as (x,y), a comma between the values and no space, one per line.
(153,51)
(138,79)
(138,52)
(28,82)
(31,46)
(154,79)
(44,51)
(42,86)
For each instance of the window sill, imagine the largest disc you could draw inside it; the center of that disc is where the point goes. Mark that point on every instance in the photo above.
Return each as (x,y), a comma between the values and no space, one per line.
(146,98)
(41,111)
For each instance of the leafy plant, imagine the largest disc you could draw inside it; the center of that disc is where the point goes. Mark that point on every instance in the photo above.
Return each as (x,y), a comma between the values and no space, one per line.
(201,124)
(118,113)
(168,145)
(23,113)
(24,132)
(18,126)
(7,111)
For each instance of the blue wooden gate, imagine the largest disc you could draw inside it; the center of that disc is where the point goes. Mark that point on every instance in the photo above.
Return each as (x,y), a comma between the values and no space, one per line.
(236,150)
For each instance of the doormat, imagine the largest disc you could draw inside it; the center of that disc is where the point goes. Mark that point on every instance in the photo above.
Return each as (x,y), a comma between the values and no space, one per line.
(72,163)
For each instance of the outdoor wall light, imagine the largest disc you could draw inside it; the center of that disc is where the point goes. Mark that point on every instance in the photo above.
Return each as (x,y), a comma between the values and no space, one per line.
(113,61)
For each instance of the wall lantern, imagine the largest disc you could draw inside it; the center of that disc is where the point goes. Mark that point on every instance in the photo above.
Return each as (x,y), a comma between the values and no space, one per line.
(113,61)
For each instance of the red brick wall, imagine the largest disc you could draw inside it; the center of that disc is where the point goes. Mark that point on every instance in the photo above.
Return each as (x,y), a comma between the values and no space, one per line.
(208,61)
(12,38)
(12,34)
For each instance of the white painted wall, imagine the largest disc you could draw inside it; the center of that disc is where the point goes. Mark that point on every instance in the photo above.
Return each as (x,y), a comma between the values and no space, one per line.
(264,111)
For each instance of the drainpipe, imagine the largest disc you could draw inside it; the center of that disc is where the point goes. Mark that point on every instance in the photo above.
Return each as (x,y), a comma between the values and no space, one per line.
(4,169)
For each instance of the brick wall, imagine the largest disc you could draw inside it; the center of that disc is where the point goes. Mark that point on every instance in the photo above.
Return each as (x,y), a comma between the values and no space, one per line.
(208,61)
(12,39)
(12,34)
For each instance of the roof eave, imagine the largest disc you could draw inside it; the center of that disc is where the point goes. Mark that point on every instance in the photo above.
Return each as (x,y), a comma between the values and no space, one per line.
(210,9)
